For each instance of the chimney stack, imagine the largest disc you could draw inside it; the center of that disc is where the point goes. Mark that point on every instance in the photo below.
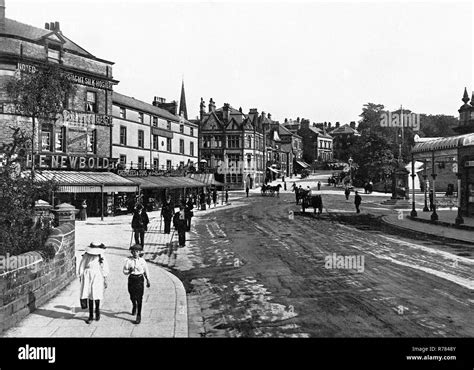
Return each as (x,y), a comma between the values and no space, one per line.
(161,103)
(337,124)
(212,105)
(352,125)
(2,16)
(46,26)
(225,112)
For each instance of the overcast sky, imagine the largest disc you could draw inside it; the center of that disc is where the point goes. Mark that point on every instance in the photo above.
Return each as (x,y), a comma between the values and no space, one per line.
(311,59)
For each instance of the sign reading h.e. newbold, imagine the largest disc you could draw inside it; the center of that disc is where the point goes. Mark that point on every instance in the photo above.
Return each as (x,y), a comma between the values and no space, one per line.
(70,162)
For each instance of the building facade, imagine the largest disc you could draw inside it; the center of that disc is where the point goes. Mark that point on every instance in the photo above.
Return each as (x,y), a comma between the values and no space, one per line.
(145,136)
(78,139)
(231,144)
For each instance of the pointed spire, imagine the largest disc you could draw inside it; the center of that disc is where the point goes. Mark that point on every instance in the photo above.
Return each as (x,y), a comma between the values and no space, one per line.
(182,103)
(465,98)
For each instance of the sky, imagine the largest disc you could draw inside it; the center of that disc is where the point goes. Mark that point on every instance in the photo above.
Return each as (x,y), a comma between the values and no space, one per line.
(310,59)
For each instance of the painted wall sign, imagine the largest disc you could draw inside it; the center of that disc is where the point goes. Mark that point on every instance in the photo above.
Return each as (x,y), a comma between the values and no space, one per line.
(82,120)
(78,79)
(70,162)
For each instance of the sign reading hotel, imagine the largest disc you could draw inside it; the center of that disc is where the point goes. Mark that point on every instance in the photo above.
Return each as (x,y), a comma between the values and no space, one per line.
(70,162)
(78,79)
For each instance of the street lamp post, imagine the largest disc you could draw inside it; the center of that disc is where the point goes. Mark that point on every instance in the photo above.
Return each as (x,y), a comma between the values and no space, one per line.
(413,175)
(425,177)
(350,169)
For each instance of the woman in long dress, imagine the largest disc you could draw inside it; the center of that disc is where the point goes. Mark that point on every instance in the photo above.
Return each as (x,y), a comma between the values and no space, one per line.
(93,271)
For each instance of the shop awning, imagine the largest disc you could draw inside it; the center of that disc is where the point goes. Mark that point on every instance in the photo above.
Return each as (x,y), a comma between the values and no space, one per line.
(273,170)
(163,182)
(87,182)
(303,164)
(443,143)
(206,178)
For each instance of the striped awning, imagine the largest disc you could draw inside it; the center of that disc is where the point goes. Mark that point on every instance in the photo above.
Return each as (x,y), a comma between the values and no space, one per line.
(87,182)
(443,143)
(303,164)
(207,178)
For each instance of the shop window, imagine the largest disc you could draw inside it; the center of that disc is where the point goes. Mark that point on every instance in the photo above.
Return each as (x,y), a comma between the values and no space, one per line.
(141,138)
(91,102)
(141,163)
(168,164)
(123,135)
(59,142)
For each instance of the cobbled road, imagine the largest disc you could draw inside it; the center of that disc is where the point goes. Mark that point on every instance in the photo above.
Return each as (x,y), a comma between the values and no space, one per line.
(254,272)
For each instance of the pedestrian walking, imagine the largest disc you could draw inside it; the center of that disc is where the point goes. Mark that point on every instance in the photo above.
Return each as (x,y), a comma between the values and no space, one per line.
(179,222)
(167,214)
(318,204)
(284,185)
(226,195)
(214,197)
(319,185)
(347,192)
(93,271)
(137,270)
(202,200)
(357,201)
(293,187)
(188,212)
(208,199)
(247,190)
(83,211)
(140,223)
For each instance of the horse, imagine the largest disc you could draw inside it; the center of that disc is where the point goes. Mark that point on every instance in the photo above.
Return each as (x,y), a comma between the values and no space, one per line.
(264,189)
(274,189)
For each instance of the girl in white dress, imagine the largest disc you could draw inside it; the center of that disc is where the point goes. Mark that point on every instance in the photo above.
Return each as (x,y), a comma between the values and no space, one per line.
(93,271)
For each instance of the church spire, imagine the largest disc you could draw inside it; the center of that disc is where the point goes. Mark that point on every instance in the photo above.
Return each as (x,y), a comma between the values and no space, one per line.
(182,103)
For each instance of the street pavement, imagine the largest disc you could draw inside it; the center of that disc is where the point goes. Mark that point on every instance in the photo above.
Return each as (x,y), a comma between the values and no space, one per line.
(164,312)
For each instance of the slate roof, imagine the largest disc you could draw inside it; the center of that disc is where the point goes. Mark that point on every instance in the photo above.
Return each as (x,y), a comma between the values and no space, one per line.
(130,102)
(345,129)
(33,33)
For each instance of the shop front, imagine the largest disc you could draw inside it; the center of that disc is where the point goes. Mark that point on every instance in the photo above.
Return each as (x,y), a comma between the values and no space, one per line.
(458,153)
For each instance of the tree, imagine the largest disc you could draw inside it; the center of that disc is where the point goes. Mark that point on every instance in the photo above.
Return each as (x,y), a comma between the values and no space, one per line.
(18,192)
(437,125)
(40,95)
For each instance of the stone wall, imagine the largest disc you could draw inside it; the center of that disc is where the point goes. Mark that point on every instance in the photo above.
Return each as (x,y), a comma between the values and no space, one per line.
(29,280)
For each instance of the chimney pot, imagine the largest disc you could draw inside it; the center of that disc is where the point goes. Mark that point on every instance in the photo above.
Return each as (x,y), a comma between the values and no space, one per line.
(51,26)
(46,25)
(56,26)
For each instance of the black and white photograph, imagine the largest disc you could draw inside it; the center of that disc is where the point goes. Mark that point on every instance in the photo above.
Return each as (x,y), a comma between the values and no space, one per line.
(297,173)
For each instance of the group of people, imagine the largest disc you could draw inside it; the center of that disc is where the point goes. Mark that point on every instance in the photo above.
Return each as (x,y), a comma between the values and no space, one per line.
(357,198)
(93,271)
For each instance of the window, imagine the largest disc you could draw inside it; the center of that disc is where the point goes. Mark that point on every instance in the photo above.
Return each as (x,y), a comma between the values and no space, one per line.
(123,160)
(155,142)
(168,125)
(191,149)
(181,129)
(181,146)
(191,131)
(91,141)
(249,142)
(140,117)
(123,115)
(233,141)
(155,121)
(168,164)
(91,103)
(141,162)
(59,142)
(123,135)
(168,144)
(53,55)
(141,138)
(156,163)
(46,140)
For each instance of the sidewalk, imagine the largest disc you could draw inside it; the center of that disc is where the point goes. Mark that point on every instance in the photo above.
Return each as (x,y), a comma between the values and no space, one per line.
(164,311)
(445,227)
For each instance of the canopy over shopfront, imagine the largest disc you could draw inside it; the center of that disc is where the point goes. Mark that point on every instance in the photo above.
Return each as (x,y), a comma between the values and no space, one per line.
(303,164)
(166,182)
(206,178)
(87,182)
(459,152)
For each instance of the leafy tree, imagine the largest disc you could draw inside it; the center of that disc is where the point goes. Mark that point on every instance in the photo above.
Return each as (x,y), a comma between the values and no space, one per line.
(18,192)
(40,95)
(437,125)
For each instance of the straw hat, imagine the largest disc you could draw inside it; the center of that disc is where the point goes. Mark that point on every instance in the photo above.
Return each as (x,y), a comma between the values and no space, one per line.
(95,248)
